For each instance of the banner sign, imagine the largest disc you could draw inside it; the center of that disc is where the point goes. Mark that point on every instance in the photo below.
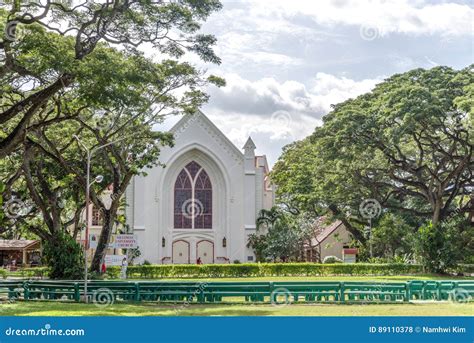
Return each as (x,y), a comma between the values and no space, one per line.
(124,241)
(114,260)
(93,240)
(349,255)
(159,329)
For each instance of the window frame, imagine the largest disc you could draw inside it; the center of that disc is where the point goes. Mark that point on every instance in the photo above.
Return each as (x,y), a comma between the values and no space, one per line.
(193,218)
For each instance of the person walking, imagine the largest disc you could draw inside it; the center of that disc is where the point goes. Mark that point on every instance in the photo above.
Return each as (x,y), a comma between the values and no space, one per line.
(123,273)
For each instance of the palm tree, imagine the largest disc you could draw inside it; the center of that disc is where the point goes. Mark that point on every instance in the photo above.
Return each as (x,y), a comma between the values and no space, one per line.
(268,218)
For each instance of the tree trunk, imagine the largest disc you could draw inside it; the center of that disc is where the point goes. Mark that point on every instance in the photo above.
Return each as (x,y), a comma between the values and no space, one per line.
(471,211)
(436,212)
(108,217)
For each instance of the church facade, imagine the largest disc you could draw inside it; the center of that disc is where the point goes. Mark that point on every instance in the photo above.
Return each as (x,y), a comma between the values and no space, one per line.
(200,207)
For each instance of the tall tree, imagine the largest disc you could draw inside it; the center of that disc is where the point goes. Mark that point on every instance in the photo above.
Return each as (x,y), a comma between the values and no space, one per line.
(115,95)
(408,144)
(33,70)
(280,235)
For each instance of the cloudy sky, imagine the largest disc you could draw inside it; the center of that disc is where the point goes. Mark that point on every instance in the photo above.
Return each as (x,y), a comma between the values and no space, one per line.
(286,62)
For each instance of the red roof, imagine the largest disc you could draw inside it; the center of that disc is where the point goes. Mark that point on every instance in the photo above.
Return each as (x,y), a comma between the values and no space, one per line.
(328,230)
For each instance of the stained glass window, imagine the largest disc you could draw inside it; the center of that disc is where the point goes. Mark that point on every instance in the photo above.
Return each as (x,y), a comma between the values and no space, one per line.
(193,198)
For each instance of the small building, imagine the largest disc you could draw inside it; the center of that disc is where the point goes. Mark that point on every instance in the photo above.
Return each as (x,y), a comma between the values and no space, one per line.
(19,252)
(328,240)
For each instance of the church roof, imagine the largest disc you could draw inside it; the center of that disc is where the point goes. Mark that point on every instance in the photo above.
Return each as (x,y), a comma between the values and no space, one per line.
(249,145)
(189,119)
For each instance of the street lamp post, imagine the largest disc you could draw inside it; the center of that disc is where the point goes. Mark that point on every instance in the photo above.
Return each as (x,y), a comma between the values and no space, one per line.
(97,179)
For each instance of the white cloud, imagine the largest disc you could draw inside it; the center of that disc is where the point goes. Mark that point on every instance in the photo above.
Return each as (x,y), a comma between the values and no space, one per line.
(329,89)
(293,59)
(281,112)
(267,96)
(388,16)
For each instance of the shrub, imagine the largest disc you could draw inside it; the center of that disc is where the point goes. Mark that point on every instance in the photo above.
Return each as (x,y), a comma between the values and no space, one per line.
(332,259)
(463,269)
(391,236)
(3,273)
(262,270)
(442,246)
(64,256)
(34,272)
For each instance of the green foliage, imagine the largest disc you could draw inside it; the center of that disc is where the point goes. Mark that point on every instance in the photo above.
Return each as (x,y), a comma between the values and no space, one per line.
(262,270)
(65,257)
(392,237)
(57,60)
(92,80)
(3,273)
(133,254)
(2,214)
(37,272)
(408,144)
(281,236)
(117,94)
(442,246)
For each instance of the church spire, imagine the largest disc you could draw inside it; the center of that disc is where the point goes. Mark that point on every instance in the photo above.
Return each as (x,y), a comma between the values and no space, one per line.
(249,148)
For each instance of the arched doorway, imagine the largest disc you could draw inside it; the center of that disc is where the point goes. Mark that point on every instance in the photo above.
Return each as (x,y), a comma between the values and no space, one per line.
(205,250)
(180,252)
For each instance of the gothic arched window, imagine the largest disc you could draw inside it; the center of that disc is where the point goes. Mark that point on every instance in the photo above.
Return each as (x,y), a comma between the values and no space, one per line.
(193,198)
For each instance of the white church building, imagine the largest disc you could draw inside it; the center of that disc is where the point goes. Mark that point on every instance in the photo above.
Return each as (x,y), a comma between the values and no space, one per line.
(203,204)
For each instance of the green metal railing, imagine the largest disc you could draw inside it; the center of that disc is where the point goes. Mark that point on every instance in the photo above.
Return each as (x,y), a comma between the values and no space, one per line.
(213,292)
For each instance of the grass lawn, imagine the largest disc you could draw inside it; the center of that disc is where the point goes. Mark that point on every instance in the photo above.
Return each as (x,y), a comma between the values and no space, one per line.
(45,308)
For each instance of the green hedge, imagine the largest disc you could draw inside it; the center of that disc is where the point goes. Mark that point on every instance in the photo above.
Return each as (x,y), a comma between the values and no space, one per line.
(263,270)
(464,269)
(29,272)
(3,273)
